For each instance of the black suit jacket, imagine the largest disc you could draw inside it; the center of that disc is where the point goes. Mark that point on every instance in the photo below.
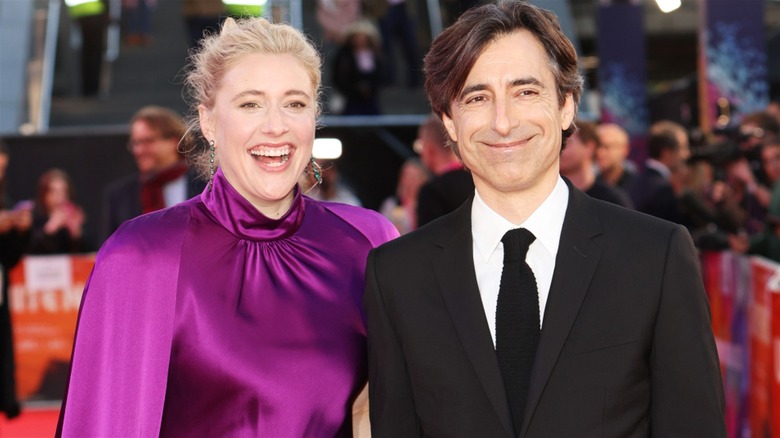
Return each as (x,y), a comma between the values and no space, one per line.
(626,348)
(653,194)
(122,200)
(443,194)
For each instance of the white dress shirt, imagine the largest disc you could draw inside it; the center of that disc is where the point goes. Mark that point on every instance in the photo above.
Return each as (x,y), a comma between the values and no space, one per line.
(487,229)
(175,191)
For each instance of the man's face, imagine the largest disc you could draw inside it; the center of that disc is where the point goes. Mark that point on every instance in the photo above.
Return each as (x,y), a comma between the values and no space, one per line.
(612,149)
(507,120)
(770,159)
(151,151)
(3,165)
(575,155)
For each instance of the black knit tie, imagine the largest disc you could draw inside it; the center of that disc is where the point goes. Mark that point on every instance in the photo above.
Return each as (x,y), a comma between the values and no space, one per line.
(517,321)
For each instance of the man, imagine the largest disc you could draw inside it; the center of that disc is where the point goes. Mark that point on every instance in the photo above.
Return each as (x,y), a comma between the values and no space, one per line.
(163,177)
(577,166)
(451,184)
(655,190)
(611,155)
(625,347)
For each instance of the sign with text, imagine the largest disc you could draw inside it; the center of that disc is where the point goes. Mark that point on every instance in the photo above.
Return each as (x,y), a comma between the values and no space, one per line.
(44,297)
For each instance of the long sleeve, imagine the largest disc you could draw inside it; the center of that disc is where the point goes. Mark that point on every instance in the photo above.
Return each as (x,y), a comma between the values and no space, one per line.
(687,391)
(121,352)
(390,390)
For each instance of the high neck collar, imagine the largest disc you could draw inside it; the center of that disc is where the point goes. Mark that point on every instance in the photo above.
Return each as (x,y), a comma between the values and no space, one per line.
(243,220)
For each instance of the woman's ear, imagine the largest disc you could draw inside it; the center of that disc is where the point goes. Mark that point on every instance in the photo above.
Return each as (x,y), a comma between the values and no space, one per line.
(206,118)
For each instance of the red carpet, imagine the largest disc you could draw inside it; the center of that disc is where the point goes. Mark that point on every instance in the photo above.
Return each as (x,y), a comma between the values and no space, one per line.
(32,423)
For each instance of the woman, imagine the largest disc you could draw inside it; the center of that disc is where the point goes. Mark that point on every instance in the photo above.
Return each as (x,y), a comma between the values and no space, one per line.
(14,232)
(401,209)
(236,313)
(357,69)
(57,221)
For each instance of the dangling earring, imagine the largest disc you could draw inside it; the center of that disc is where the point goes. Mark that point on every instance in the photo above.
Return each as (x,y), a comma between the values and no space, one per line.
(211,163)
(317,170)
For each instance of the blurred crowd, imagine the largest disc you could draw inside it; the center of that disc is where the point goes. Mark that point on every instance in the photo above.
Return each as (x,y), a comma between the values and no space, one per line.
(723,187)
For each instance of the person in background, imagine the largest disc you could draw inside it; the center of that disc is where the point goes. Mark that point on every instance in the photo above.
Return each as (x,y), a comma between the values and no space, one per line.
(533,310)
(451,184)
(397,27)
(137,21)
(201,16)
(577,165)
(653,191)
(612,155)
(754,130)
(679,171)
(710,210)
(237,312)
(766,242)
(57,221)
(163,179)
(357,69)
(334,16)
(92,20)
(401,208)
(331,187)
(15,224)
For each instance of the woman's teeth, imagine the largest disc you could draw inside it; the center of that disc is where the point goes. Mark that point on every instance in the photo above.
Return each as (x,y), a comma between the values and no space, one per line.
(272,156)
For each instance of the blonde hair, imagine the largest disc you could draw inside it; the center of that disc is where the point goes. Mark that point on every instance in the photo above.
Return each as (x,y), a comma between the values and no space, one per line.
(218,52)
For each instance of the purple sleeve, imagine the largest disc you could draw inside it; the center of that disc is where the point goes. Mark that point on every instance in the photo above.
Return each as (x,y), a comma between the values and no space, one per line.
(122,346)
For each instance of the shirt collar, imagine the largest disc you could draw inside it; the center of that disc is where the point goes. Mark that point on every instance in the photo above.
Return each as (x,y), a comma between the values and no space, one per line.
(546,222)
(659,167)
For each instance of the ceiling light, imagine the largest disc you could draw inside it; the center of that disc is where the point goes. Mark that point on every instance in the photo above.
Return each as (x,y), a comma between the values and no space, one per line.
(667,6)
(326,148)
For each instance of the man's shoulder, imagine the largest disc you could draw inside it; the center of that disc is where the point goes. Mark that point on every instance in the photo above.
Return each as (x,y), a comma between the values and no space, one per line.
(614,217)
(434,233)
(123,185)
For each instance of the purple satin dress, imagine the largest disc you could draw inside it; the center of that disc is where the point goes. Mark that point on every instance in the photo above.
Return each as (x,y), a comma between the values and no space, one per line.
(210,319)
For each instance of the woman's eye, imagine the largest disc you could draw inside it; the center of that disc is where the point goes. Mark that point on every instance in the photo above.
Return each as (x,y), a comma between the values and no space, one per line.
(297,104)
(250,105)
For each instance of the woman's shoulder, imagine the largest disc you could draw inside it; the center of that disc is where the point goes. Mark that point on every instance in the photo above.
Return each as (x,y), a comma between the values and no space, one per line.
(153,232)
(375,227)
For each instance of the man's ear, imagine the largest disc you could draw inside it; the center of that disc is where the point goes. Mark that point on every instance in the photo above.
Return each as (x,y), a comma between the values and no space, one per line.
(567,112)
(206,118)
(450,127)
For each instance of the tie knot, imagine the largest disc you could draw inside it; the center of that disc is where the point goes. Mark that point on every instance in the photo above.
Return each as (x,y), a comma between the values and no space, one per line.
(516,243)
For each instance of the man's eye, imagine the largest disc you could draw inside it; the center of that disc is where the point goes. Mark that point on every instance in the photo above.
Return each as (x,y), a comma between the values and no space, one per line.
(475,99)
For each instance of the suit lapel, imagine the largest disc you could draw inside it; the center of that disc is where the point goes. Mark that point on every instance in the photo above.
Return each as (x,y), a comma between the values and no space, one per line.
(578,256)
(454,270)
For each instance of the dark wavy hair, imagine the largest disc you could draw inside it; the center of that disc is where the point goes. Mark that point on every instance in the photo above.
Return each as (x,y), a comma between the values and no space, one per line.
(455,51)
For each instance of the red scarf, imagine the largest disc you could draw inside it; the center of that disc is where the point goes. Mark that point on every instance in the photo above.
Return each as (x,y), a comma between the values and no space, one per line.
(152,197)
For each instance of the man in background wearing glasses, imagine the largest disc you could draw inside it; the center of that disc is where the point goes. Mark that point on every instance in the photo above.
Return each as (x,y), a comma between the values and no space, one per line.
(163,177)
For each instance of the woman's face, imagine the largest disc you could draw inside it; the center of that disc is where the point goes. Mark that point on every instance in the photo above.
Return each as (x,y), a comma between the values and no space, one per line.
(57,193)
(262,125)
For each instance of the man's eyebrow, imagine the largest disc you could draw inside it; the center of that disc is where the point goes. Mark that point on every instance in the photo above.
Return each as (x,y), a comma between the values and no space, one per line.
(471,89)
(530,80)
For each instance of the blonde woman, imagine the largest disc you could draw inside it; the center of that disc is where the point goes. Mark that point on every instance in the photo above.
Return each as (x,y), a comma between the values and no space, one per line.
(238,312)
